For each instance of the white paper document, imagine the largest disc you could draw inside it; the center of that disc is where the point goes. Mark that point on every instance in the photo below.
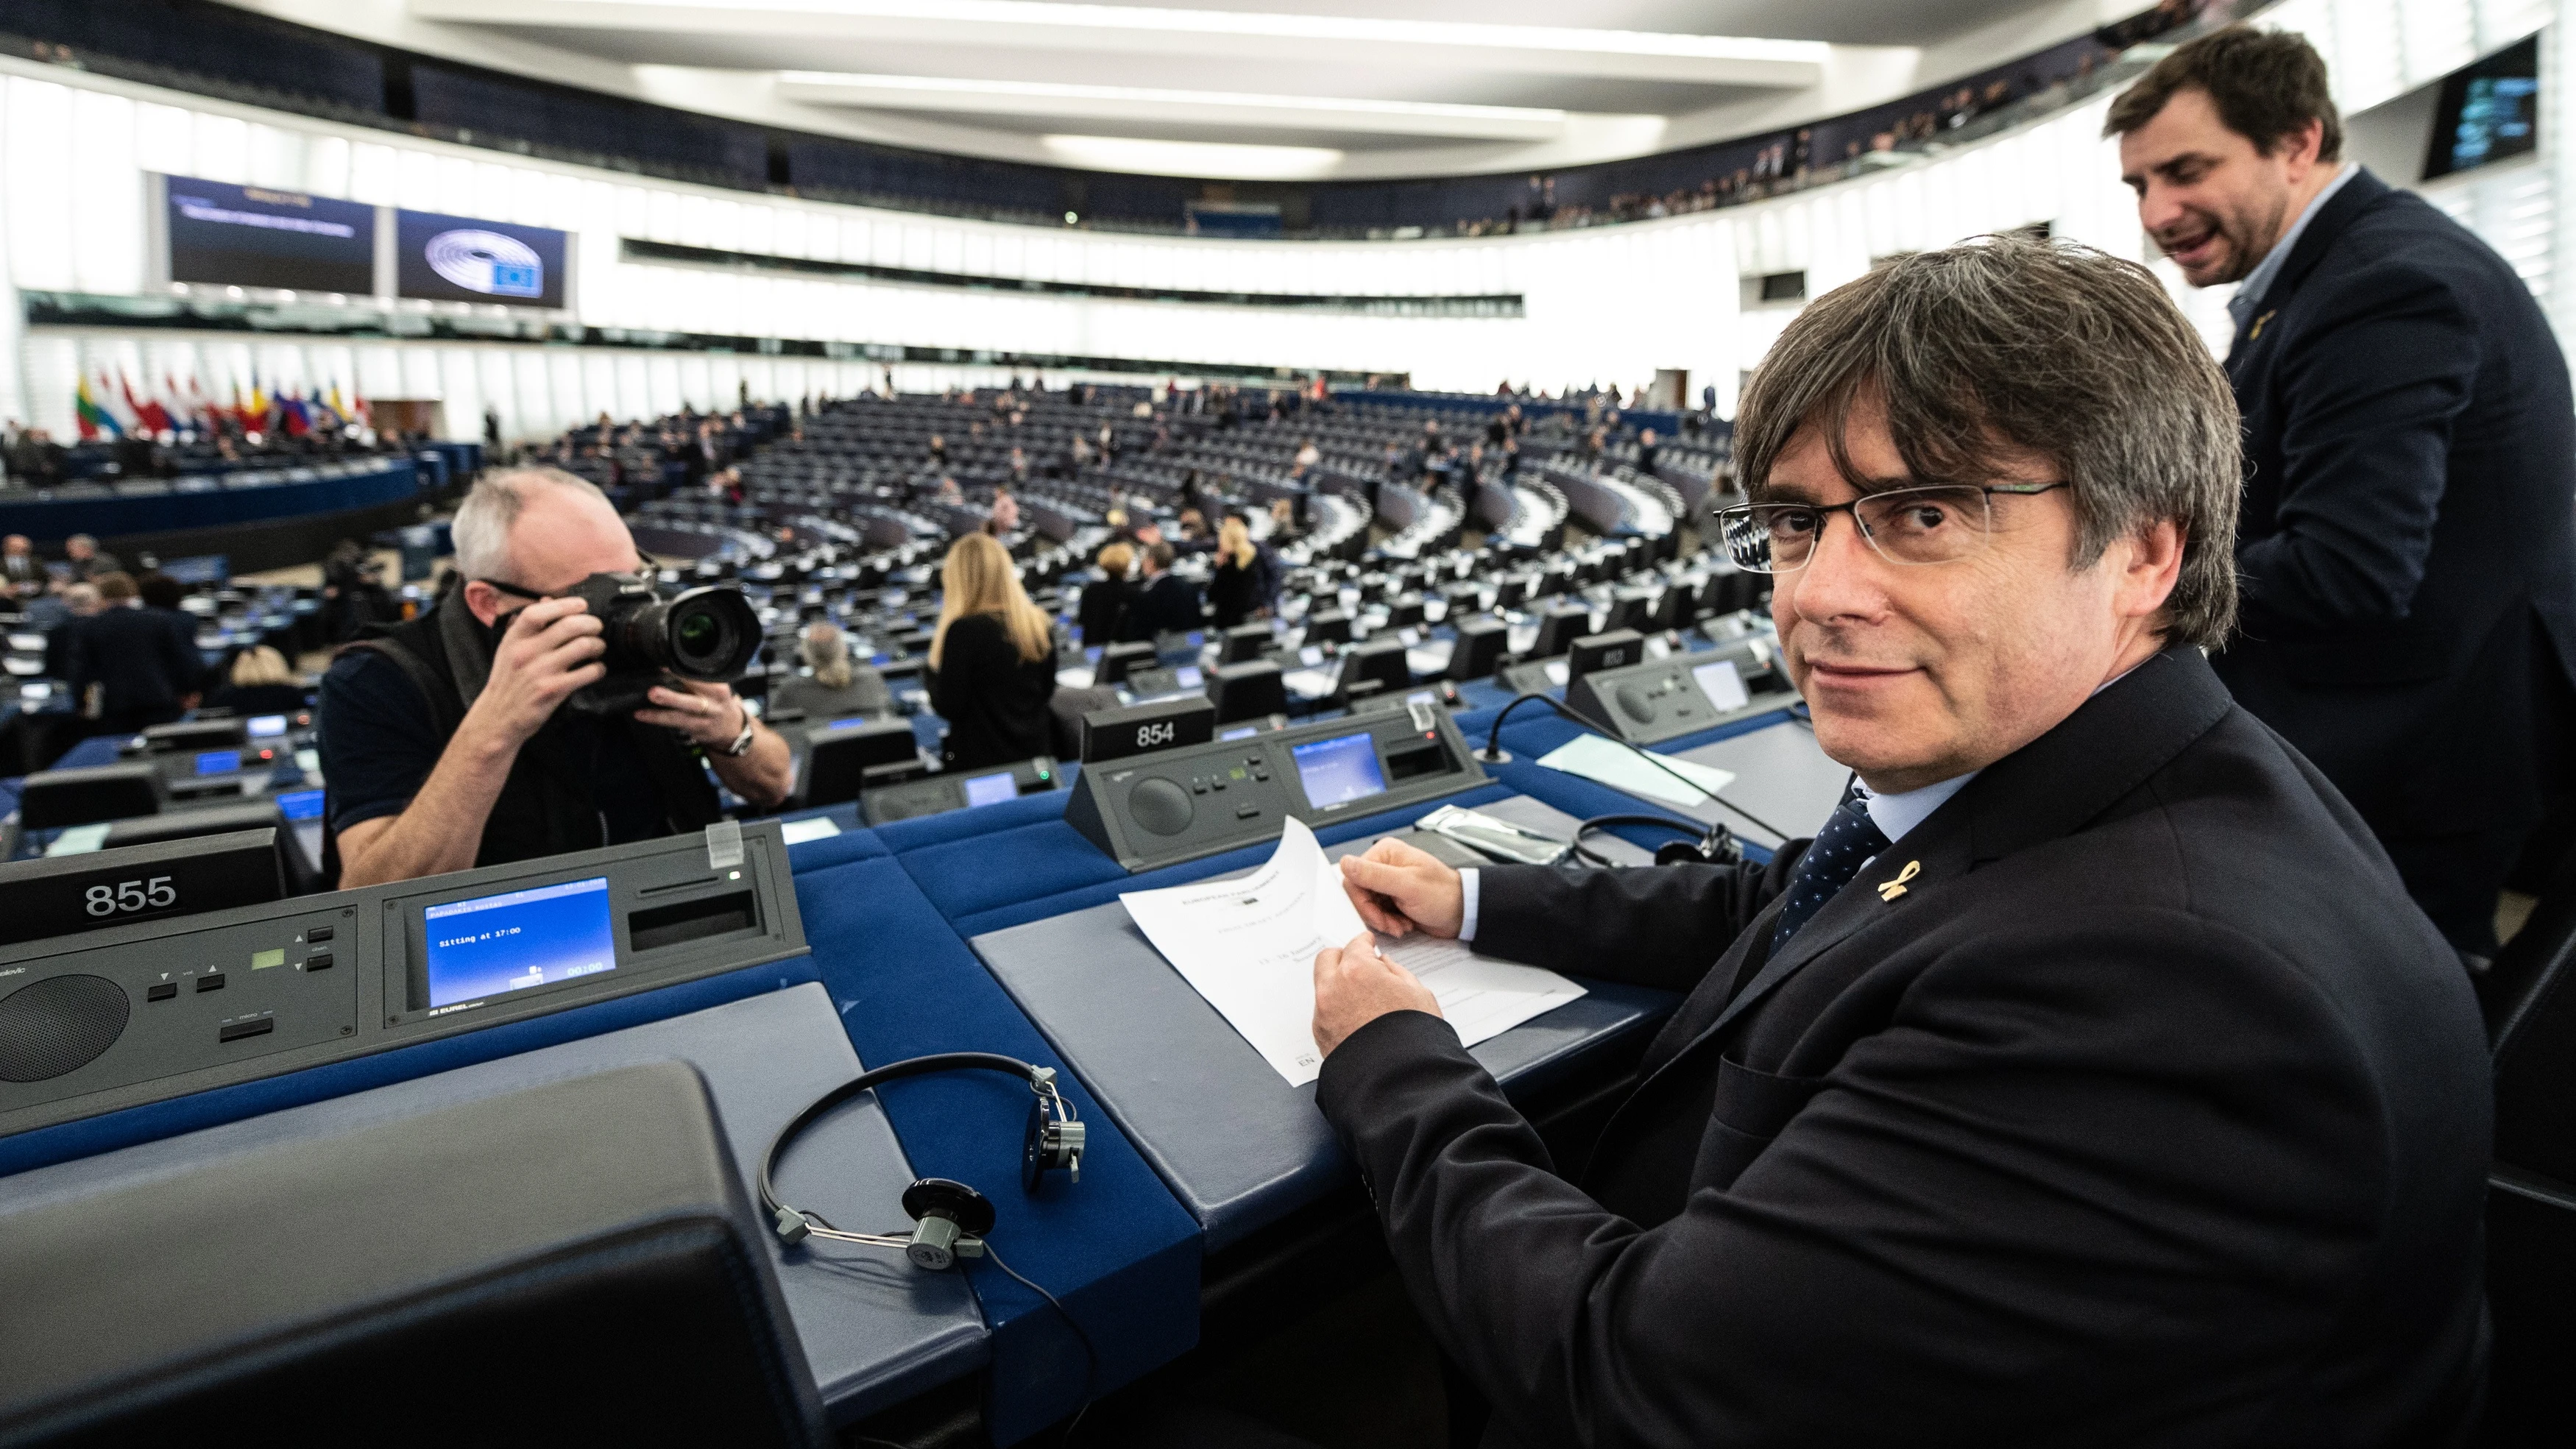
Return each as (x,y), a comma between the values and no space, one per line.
(1613,764)
(1249,945)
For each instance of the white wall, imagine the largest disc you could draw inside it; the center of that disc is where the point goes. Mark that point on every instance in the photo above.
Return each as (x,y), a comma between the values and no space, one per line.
(1602,304)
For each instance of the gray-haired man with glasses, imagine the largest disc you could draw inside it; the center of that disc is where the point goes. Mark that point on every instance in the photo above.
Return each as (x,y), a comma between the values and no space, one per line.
(2089,1078)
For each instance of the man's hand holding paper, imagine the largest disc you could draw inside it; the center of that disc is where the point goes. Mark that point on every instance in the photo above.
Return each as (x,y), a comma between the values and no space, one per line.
(1260,948)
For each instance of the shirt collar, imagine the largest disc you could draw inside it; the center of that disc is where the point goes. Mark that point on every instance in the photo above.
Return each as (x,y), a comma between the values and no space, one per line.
(2249,293)
(1895,814)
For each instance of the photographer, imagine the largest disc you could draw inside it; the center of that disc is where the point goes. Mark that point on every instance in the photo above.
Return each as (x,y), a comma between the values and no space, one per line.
(445,741)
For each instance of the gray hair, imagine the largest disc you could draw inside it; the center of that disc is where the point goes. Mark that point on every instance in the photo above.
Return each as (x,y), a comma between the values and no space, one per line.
(2045,347)
(481,531)
(827,653)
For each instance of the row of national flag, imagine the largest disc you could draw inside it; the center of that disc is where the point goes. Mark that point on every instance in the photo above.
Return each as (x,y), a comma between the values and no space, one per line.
(108,409)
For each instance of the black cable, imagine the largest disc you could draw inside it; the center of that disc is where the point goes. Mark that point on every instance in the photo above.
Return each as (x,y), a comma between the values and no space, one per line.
(1714,839)
(864,1081)
(1090,1351)
(1494,732)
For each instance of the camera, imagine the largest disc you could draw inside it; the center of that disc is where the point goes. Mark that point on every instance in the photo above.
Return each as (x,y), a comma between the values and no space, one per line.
(707,633)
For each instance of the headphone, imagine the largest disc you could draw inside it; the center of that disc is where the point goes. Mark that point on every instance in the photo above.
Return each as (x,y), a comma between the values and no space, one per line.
(949,1219)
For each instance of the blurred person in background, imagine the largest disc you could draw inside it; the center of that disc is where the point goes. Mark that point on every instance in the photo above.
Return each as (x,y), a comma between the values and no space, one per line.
(2406,544)
(992,660)
(1104,599)
(22,574)
(260,682)
(1245,581)
(127,664)
(1165,603)
(86,562)
(834,685)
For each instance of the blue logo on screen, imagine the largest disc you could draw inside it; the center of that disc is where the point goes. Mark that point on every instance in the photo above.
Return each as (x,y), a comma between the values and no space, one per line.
(487,262)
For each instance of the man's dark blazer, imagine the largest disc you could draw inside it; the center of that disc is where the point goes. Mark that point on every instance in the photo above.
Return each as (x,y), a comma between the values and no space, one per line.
(2408,540)
(146,658)
(2150,1111)
(1163,604)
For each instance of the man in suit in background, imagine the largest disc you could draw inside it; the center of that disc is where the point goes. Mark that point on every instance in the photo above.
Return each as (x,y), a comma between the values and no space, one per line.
(145,670)
(2407,545)
(22,574)
(2088,1079)
(1164,602)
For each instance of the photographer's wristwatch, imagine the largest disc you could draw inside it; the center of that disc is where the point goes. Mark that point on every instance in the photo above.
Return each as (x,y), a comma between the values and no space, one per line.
(741,745)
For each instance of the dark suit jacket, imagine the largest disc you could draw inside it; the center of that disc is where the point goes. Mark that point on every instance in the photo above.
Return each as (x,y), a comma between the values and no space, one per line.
(145,658)
(2407,543)
(995,702)
(1103,601)
(2150,1112)
(1166,604)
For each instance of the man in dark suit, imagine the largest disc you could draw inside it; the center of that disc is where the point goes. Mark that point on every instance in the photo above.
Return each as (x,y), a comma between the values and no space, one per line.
(1164,602)
(2088,1079)
(2407,543)
(144,666)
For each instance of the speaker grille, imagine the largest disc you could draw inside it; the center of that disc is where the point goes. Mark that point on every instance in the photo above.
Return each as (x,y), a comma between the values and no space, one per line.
(57,1025)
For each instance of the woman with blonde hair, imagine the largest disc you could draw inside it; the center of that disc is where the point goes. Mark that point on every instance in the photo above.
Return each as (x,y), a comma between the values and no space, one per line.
(1239,587)
(259,682)
(992,659)
(1104,599)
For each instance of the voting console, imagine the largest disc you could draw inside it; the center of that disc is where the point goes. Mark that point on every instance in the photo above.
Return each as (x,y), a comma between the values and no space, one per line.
(1180,804)
(134,1013)
(1661,699)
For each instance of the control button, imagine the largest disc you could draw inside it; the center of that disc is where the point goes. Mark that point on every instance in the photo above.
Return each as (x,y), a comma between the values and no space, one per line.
(316,935)
(260,1026)
(1198,787)
(1261,774)
(1220,784)
(1247,812)
(162,992)
(318,961)
(211,981)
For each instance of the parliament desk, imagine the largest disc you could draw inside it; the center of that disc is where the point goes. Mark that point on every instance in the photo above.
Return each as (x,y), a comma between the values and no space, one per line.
(993,929)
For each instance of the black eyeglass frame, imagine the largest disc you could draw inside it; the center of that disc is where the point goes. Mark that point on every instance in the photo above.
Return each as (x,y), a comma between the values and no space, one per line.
(1746,513)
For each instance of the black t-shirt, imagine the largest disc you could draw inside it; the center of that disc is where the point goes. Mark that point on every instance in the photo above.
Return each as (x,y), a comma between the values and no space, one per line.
(379,742)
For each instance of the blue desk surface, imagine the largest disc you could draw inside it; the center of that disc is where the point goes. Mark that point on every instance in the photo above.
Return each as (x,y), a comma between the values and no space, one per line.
(49,518)
(1237,1145)
(874,1329)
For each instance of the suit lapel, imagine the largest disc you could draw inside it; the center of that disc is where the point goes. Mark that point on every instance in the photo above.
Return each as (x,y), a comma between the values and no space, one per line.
(2356,197)
(2048,789)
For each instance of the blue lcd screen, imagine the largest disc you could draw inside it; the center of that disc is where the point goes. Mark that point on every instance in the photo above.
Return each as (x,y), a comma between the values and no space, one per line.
(992,789)
(1338,770)
(219,762)
(495,944)
(301,804)
(267,726)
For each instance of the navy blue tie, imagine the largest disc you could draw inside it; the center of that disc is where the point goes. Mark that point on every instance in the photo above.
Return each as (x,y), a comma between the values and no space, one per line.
(1847,842)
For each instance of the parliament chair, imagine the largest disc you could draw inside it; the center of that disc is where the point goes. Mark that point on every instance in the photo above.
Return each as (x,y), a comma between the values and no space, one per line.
(2530,996)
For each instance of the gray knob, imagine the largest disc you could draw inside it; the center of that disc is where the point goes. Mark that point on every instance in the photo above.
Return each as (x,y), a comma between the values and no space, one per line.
(1160,806)
(1636,703)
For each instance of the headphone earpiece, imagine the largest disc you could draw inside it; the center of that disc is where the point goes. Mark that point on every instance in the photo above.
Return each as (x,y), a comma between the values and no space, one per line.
(1054,1142)
(949,1221)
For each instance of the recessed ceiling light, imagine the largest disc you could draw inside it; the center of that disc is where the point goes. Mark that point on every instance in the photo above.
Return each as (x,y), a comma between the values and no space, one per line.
(1194,158)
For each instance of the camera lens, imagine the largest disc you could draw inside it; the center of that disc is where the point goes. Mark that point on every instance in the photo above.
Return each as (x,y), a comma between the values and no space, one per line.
(708,633)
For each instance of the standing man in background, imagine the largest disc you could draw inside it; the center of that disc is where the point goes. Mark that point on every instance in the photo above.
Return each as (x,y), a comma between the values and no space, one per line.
(2408,544)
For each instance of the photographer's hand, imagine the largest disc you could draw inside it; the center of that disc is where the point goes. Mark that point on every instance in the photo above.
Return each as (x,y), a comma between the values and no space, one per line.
(713,718)
(551,649)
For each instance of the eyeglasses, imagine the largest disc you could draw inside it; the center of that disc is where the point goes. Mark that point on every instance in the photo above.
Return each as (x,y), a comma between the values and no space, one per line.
(1940,523)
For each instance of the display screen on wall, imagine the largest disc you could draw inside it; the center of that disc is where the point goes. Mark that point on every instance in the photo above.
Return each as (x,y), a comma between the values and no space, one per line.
(250,236)
(460,259)
(2489,112)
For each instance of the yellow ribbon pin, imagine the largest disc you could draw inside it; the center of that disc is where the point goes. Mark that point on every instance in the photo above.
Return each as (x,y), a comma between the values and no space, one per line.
(1892,889)
(2258,324)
